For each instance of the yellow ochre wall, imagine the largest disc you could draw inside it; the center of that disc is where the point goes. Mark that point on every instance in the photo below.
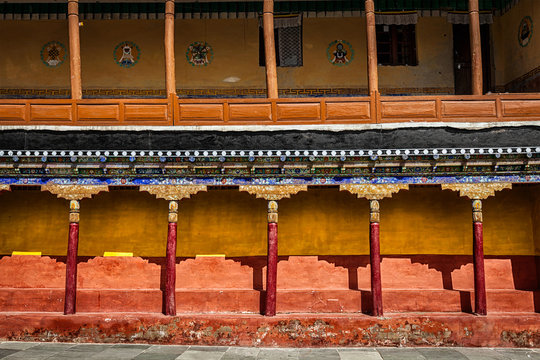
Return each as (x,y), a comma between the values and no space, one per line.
(235,46)
(512,60)
(20,63)
(423,220)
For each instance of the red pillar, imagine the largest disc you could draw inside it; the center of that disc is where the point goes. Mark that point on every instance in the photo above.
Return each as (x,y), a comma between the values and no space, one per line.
(375,259)
(170,264)
(480,304)
(71,261)
(271,267)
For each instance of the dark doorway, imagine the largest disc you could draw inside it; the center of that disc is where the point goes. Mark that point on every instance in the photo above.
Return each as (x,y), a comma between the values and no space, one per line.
(462,59)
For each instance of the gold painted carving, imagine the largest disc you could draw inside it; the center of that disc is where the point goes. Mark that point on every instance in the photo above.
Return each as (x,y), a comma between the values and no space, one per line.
(173,211)
(173,192)
(477,211)
(273,192)
(272,211)
(4,187)
(74,208)
(477,191)
(373,191)
(73,192)
(374,211)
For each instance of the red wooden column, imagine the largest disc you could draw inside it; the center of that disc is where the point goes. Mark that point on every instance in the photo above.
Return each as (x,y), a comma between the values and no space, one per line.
(71,260)
(271,268)
(170,265)
(477,192)
(272,193)
(374,193)
(375,258)
(172,193)
(480,305)
(73,193)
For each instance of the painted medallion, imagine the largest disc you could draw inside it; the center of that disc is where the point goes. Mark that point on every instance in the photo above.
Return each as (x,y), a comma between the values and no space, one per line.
(127,54)
(525,31)
(340,53)
(199,53)
(53,54)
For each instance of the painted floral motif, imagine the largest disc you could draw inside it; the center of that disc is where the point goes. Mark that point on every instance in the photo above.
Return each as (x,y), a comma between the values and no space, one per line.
(127,54)
(340,52)
(525,31)
(199,54)
(53,54)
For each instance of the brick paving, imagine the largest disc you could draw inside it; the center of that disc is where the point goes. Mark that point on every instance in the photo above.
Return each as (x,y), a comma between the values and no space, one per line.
(37,350)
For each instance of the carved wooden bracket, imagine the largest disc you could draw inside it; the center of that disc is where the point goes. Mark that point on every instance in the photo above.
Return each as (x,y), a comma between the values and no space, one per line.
(273,192)
(477,191)
(173,192)
(4,187)
(73,192)
(373,191)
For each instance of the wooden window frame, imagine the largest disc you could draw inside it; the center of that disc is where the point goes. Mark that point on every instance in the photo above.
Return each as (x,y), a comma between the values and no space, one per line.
(398,48)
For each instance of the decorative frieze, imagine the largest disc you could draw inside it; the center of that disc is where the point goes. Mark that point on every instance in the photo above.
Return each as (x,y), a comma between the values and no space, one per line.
(373,191)
(73,192)
(477,191)
(173,192)
(273,192)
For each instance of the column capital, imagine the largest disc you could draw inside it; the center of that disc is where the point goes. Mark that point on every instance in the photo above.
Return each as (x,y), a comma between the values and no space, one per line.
(273,192)
(477,191)
(373,191)
(4,187)
(73,192)
(173,192)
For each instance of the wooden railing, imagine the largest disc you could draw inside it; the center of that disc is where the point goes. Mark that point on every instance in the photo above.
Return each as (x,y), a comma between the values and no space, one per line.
(358,110)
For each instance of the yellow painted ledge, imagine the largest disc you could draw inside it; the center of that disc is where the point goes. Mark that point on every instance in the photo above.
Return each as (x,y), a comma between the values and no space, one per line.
(33,253)
(114,253)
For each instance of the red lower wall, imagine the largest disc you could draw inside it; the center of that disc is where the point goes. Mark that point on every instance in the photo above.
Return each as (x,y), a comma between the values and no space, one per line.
(305,284)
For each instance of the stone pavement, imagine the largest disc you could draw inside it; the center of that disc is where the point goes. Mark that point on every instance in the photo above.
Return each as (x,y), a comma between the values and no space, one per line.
(36,350)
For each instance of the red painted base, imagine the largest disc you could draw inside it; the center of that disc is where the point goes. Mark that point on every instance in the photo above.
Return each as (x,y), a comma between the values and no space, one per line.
(298,330)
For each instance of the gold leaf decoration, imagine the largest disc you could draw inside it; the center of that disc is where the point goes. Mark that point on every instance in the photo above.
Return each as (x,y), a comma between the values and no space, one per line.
(477,191)
(173,192)
(73,192)
(373,191)
(273,192)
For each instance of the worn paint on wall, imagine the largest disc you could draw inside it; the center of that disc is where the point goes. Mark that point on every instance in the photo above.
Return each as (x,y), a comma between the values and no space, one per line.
(235,63)
(20,63)
(423,220)
(512,60)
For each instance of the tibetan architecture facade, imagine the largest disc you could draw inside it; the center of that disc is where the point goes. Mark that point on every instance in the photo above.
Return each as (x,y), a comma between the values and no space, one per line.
(263,173)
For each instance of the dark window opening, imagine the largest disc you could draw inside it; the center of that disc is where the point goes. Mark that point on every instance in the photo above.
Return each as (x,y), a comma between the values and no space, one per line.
(288,42)
(396,45)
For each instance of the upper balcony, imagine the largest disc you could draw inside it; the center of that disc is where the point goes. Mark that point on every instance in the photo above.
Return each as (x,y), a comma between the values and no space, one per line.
(207,65)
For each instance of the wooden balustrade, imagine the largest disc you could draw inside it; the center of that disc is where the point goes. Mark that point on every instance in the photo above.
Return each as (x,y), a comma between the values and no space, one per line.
(374,109)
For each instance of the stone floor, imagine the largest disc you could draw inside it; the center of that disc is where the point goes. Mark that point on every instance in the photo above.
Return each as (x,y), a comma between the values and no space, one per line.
(36,350)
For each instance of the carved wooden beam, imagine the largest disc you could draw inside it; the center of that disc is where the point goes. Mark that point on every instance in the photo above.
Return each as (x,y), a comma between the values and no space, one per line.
(73,192)
(477,191)
(273,192)
(4,187)
(373,191)
(173,192)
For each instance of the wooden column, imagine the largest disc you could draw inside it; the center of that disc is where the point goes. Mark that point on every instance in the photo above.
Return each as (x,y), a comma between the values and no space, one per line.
(480,304)
(271,268)
(373,80)
(74,193)
(270,49)
(478,192)
(71,260)
(173,193)
(375,258)
(74,49)
(476,48)
(272,193)
(170,261)
(374,193)
(170,70)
